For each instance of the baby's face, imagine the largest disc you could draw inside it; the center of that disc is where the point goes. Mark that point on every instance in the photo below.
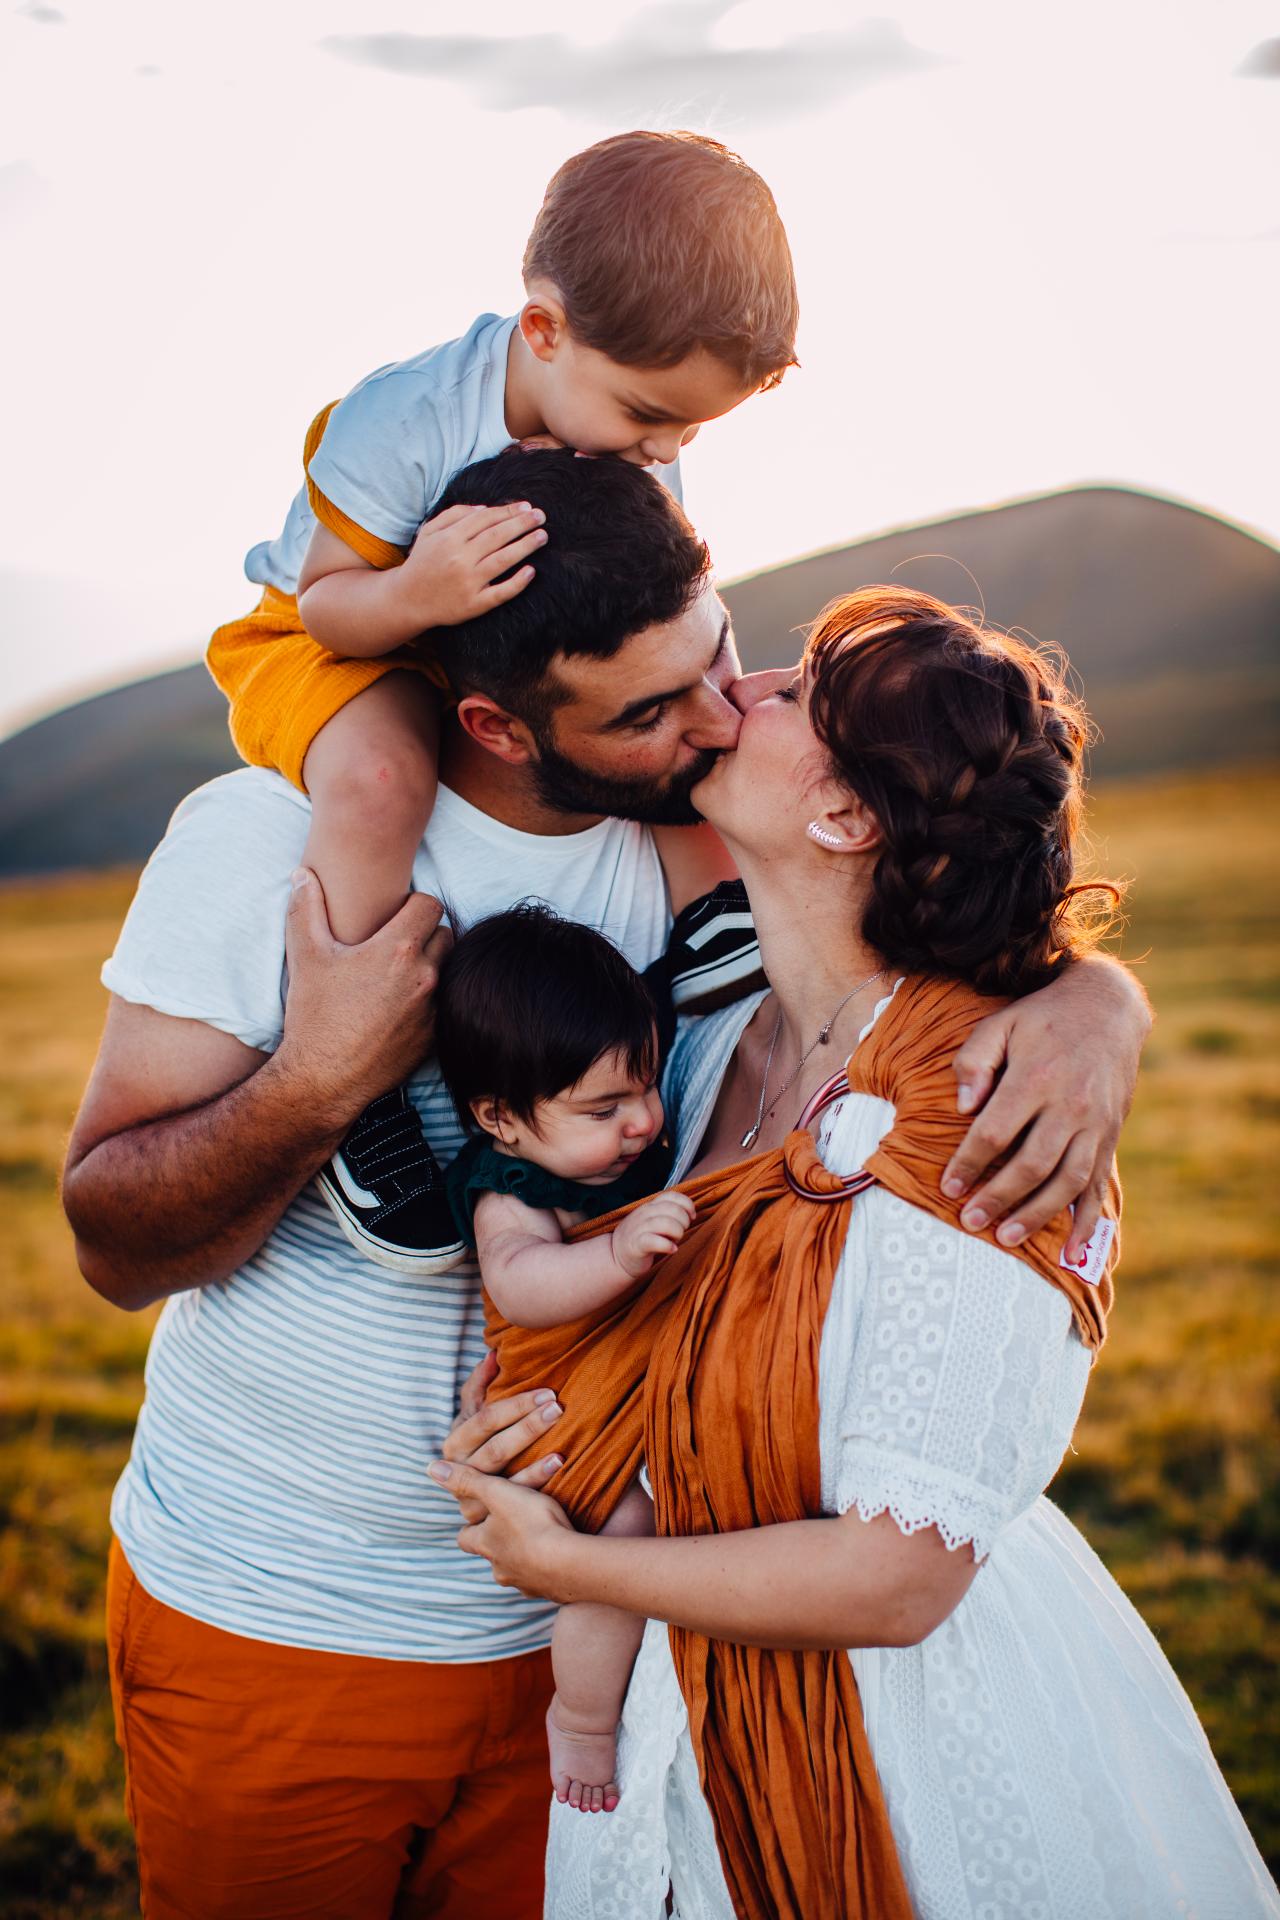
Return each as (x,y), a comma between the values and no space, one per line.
(592,1131)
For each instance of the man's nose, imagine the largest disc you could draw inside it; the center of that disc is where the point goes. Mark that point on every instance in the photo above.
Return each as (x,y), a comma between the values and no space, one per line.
(717,720)
(750,688)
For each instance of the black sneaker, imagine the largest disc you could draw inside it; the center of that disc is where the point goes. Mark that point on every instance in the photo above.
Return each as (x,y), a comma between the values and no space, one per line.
(386,1192)
(713,955)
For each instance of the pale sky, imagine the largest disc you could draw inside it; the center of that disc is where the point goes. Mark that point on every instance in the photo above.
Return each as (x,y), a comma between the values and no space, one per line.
(1036,243)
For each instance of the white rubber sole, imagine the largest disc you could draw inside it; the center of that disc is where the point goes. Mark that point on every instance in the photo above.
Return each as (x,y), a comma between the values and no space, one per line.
(380,1252)
(698,983)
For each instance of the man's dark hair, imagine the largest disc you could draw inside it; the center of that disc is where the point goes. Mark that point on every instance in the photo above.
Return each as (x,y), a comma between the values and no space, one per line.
(660,243)
(620,557)
(528,1002)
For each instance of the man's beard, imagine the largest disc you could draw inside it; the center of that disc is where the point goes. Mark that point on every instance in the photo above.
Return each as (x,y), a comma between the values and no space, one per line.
(569,788)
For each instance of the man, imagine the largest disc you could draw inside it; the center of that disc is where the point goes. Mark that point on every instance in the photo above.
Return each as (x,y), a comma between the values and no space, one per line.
(326,1709)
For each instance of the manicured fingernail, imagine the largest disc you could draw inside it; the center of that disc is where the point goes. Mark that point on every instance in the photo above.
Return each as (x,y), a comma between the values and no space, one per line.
(551,1413)
(440,1470)
(298,878)
(953,1188)
(1012,1234)
(542,1396)
(974,1218)
(538,515)
(964,1100)
(553,1462)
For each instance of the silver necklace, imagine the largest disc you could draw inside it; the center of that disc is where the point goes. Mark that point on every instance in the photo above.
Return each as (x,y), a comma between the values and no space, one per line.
(752,1133)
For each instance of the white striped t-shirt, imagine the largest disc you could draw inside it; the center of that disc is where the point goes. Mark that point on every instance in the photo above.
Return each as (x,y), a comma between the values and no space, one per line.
(277,1486)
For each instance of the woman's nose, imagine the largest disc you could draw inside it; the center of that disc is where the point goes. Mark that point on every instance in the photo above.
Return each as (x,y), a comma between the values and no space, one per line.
(750,688)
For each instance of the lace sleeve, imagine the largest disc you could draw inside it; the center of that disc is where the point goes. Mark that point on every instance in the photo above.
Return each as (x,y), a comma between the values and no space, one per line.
(950,1378)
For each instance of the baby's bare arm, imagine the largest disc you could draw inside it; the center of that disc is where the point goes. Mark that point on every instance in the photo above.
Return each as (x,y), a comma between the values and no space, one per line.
(535,1280)
(448,576)
(532,1277)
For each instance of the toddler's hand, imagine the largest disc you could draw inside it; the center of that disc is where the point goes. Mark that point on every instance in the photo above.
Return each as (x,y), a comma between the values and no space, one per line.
(453,563)
(655,1229)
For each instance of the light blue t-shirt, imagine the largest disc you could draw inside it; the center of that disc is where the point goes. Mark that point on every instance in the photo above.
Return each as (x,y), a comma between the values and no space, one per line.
(392,446)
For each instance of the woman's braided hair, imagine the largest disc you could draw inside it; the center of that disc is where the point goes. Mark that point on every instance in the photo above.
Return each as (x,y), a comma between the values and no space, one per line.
(967,746)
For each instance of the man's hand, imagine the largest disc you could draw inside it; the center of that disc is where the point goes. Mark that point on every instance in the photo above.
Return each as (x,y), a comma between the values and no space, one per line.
(489,1433)
(648,1233)
(1063,1064)
(451,572)
(358,1019)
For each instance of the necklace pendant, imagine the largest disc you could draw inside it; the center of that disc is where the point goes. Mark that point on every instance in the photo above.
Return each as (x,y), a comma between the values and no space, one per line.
(749,1138)
(824,1037)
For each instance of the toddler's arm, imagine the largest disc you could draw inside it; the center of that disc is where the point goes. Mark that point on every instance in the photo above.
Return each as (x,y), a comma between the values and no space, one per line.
(448,576)
(535,1280)
(694,860)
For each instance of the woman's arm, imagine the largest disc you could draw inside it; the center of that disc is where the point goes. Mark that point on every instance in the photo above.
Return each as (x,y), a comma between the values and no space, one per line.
(844,1582)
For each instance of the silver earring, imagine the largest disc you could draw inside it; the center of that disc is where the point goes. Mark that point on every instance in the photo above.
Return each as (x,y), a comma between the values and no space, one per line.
(823,838)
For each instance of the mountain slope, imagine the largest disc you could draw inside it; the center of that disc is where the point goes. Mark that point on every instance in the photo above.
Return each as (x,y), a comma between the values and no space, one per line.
(1170,619)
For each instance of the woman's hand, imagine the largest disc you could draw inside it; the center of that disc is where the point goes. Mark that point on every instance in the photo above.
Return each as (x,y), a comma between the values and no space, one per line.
(519,1532)
(489,1433)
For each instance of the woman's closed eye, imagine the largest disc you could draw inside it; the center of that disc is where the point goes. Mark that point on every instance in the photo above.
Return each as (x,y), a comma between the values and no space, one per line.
(792,691)
(605,1113)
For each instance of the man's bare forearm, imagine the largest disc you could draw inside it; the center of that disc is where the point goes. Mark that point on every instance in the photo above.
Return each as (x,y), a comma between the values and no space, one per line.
(183,1201)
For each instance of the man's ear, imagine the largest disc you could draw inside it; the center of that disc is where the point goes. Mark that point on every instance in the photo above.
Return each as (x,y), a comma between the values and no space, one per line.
(543,325)
(496,730)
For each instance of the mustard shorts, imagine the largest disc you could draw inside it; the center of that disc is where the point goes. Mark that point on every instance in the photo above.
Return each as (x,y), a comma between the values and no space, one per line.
(283,686)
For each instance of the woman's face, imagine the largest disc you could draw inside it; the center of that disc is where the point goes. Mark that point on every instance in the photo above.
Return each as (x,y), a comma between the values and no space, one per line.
(763,793)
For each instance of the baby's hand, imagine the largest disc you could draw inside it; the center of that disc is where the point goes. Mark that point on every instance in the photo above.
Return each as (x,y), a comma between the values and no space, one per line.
(453,563)
(655,1229)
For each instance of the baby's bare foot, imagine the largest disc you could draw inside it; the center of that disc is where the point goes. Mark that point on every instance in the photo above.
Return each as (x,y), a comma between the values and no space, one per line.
(582,1763)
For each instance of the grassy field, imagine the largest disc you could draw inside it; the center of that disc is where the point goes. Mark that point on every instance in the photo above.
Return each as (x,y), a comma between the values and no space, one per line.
(1175,1474)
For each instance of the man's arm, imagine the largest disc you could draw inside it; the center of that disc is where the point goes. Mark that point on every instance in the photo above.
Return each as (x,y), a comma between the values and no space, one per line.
(189,1146)
(1053,1074)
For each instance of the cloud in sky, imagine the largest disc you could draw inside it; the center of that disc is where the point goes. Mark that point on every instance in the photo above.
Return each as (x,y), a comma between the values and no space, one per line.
(1262,62)
(662,62)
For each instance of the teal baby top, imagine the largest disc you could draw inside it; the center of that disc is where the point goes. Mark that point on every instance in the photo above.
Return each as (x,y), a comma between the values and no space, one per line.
(480,1169)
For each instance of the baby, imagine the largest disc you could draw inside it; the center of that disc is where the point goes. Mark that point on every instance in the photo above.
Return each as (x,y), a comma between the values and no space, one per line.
(659,295)
(548,1042)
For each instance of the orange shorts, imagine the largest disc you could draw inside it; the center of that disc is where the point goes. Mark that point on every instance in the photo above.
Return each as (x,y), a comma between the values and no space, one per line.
(265,1781)
(283,686)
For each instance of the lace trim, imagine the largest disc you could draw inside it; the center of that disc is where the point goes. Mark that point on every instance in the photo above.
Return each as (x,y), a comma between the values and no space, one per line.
(962,1515)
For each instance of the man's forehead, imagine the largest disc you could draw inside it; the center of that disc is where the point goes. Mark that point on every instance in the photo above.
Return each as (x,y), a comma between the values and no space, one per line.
(658,660)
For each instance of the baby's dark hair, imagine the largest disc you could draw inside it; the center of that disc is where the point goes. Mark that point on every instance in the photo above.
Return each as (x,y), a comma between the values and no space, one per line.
(527,1002)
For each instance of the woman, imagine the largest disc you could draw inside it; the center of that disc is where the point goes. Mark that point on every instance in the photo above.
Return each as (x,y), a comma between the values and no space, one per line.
(850,1410)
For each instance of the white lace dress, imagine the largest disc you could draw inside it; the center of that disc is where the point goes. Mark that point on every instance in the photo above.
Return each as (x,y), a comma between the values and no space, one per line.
(1038,1756)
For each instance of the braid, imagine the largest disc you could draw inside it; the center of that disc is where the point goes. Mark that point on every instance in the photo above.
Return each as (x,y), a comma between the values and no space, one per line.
(967,747)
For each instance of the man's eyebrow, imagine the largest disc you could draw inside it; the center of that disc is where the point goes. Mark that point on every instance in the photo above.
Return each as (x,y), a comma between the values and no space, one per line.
(633,707)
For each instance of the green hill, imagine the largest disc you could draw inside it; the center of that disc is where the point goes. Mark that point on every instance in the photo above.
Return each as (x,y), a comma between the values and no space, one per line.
(1170,619)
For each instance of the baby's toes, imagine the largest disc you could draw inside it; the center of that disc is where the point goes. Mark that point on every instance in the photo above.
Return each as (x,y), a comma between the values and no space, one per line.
(575,1793)
(612,1795)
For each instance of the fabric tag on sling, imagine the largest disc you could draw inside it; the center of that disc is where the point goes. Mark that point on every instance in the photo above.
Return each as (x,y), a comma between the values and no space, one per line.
(1091,1262)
